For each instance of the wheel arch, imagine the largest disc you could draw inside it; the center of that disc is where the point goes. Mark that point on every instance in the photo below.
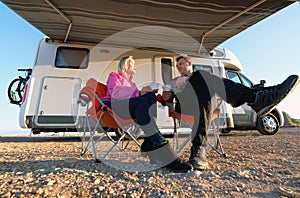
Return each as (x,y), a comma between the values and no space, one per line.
(279,116)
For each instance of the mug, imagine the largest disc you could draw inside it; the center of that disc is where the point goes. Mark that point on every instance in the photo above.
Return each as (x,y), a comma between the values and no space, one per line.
(166,88)
(154,86)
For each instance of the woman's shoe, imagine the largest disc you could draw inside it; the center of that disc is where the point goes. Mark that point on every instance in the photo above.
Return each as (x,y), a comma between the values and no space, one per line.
(149,146)
(167,158)
(153,142)
(161,154)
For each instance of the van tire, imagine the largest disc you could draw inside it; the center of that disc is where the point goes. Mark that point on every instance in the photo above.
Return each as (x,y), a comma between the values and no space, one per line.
(268,124)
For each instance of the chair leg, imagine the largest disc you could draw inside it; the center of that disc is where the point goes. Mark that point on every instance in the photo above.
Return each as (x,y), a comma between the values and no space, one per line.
(219,145)
(113,146)
(132,135)
(83,147)
(186,141)
(175,138)
(91,142)
(178,148)
(217,140)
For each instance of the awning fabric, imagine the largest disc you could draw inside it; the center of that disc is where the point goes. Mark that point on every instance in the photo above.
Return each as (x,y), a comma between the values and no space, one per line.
(178,25)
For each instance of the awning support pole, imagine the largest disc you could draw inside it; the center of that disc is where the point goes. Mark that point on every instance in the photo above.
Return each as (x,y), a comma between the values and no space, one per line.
(64,16)
(229,20)
(68,32)
(201,43)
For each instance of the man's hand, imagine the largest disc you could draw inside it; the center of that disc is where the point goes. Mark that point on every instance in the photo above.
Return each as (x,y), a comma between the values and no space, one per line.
(181,81)
(145,90)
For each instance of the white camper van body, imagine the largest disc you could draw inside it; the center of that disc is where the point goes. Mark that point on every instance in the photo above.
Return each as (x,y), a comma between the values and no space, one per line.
(50,103)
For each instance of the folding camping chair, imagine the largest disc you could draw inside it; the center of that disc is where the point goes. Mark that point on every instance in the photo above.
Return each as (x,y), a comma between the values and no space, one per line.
(188,120)
(106,119)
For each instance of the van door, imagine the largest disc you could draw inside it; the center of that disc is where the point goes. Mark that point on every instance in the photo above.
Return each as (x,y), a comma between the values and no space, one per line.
(58,102)
(164,72)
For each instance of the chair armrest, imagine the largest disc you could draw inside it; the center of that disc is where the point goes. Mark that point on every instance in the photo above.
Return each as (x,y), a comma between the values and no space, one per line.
(83,99)
(85,96)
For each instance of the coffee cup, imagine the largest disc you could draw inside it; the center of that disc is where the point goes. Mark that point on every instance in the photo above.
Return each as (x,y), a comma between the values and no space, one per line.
(154,86)
(166,88)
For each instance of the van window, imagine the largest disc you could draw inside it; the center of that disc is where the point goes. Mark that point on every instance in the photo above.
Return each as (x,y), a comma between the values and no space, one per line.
(234,77)
(246,81)
(239,78)
(166,70)
(75,58)
(207,68)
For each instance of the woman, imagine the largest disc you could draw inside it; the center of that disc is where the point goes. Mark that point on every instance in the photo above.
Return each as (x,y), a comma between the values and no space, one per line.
(127,101)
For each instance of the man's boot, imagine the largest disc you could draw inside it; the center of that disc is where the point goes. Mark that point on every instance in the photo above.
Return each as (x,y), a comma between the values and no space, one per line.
(198,158)
(268,97)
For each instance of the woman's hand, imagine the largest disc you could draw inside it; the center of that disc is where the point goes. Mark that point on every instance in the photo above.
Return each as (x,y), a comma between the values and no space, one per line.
(145,90)
(181,81)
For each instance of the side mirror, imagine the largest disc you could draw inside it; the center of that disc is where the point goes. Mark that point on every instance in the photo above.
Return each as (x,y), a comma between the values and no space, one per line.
(262,82)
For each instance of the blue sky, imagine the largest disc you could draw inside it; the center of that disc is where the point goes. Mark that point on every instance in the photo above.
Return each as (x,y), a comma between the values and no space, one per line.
(269,50)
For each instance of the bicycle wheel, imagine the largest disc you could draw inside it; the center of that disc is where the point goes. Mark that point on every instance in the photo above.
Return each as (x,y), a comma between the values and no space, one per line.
(13,91)
(21,87)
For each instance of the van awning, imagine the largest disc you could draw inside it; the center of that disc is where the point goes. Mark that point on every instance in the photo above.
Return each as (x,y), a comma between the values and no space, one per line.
(178,25)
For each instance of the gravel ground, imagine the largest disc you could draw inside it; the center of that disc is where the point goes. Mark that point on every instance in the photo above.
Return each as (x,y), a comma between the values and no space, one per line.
(256,166)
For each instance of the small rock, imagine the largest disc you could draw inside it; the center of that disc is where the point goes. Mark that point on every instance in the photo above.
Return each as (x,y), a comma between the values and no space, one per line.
(97,181)
(101,188)
(28,180)
(8,194)
(51,182)
(19,173)
(40,191)
(286,192)
(236,188)
(241,185)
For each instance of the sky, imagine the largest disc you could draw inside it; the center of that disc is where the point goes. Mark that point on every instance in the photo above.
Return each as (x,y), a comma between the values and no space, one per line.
(268,50)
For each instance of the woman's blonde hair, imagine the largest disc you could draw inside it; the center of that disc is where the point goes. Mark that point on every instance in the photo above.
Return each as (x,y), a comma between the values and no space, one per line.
(123,62)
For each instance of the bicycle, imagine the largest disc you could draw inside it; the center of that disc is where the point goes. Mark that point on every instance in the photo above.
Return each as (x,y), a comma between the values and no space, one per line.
(16,87)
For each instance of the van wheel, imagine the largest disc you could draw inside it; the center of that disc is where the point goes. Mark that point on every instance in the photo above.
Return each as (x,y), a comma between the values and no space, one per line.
(268,124)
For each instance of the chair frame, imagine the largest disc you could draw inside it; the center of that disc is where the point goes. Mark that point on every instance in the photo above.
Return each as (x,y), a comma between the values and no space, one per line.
(87,95)
(218,147)
(189,121)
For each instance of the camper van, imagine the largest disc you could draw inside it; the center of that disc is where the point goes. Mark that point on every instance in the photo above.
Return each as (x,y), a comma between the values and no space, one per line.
(62,69)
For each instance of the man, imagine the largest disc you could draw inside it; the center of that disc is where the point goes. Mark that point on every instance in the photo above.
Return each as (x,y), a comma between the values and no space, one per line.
(194,92)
